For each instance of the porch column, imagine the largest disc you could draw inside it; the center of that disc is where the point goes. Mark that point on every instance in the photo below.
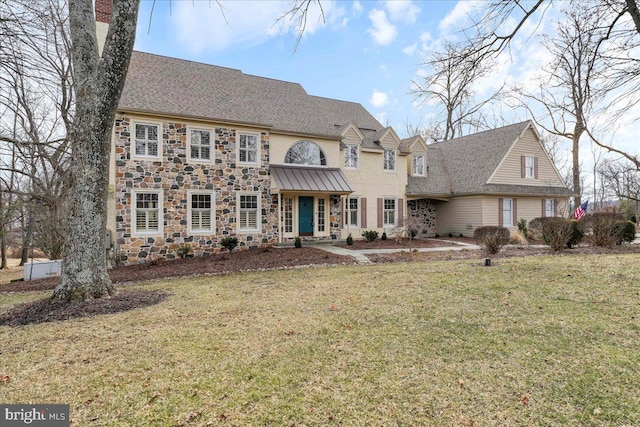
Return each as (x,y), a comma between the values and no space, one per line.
(279,217)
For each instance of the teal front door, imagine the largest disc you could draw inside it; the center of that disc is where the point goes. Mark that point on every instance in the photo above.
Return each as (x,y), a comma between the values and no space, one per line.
(305,216)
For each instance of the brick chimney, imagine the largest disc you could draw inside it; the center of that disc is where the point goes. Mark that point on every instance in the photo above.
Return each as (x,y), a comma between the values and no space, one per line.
(103,14)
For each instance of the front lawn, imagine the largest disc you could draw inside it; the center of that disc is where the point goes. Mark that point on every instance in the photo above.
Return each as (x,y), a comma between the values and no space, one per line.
(545,341)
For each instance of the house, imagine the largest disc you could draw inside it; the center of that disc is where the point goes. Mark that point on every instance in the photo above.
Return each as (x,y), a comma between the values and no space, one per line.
(495,177)
(201,153)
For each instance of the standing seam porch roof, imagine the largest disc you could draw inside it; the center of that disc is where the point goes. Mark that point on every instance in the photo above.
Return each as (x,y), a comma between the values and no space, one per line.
(309,179)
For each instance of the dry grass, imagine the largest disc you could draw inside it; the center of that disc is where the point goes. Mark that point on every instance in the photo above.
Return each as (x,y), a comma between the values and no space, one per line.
(537,341)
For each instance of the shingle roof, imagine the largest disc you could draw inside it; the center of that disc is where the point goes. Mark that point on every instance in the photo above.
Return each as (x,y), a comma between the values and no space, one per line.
(464,165)
(163,85)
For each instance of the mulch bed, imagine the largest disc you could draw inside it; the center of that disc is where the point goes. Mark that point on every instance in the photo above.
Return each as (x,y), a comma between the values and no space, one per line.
(248,260)
(50,310)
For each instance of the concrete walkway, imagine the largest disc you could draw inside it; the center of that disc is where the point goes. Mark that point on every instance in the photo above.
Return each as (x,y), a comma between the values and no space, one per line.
(361,254)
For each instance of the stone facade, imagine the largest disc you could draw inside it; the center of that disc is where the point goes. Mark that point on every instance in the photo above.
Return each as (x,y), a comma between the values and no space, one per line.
(425,211)
(174,176)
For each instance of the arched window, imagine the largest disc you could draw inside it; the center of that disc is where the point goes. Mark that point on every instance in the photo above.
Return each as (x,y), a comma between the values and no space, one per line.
(306,153)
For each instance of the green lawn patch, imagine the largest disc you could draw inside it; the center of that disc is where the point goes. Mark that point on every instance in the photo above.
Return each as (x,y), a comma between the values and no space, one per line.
(545,341)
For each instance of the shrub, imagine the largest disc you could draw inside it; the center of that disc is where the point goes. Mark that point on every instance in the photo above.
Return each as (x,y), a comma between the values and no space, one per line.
(522,228)
(606,228)
(492,238)
(229,243)
(183,251)
(516,238)
(577,234)
(349,240)
(629,233)
(557,232)
(384,236)
(297,242)
(370,235)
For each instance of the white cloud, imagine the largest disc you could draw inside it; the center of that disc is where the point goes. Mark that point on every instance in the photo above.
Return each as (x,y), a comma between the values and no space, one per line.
(200,26)
(383,32)
(402,10)
(382,118)
(457,18)
(379,99)
(356,9)
(410,50)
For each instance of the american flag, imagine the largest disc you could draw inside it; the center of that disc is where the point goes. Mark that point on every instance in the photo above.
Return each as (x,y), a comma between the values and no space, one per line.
(581,211)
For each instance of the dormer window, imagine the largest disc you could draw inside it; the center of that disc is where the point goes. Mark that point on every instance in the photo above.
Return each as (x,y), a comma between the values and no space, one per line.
(418,165)
(351,157)
(389,159)
(306,153)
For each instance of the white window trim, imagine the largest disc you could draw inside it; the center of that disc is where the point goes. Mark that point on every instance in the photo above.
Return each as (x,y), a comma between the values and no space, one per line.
(507,220)
(258,214)
(553,207)
(258,147)
(346,150)
(413,165)
(134,230)
(212,139)
(395,159)
(132,140)
(327,224)
(532,169)
(349,211)
(395,212)
(212,230)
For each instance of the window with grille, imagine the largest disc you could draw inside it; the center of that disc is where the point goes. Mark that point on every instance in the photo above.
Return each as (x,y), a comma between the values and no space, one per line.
(389,212)
(146,140)
(507,212)
(287,214)
(351,157)
(201,212)
(389,159)
(354,212)
(306,153)
(200,144)
(321,215)
(147,212)
(418,165)
(248,212)
(529,167)
(549,207)
(248,151)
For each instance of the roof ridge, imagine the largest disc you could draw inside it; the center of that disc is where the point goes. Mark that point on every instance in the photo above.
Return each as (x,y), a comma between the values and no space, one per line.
(482,132)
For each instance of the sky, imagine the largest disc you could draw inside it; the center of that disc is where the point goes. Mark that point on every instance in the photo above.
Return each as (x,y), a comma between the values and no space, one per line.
(366,51)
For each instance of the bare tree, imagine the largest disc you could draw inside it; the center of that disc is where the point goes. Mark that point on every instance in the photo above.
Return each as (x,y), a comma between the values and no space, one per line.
(37,112)
(621,178)
(570,88)
(615,38)
(450,87)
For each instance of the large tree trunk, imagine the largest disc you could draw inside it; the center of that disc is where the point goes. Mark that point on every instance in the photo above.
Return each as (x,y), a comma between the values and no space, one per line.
(98,82)
(577,186)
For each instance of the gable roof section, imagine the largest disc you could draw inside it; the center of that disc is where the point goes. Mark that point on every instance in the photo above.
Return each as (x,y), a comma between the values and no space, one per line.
(469,161)
(169,86)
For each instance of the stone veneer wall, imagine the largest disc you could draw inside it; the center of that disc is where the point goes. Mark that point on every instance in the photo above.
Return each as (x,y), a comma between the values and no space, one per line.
(426,211)
(176,175)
